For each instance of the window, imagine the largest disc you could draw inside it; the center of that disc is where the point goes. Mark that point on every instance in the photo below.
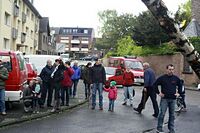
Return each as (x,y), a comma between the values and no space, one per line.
(6,62)
(7,19)
(18,24)
(85,31)
(21,61)
(27,12)
(31,50)
(32,17)
(31,34)
(27,31)
(74,30)
(6,44)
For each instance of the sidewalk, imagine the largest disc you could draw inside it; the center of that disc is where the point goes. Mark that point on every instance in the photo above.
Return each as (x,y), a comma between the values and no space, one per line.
(17,114)
(193,88)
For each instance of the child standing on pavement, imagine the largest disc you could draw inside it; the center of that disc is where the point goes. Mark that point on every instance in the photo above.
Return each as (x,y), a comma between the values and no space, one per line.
(36,94)
(112,95)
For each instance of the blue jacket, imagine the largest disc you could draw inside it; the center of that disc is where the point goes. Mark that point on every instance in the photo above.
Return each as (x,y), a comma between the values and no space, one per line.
(149,77)
(168,86)
(77,73)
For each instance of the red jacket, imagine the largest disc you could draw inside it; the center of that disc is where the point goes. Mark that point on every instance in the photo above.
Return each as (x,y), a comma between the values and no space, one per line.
(112,92)
(128,78)
(67,82)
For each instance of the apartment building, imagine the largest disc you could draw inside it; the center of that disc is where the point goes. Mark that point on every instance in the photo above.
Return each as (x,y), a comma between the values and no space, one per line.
(76,41)
(19,26)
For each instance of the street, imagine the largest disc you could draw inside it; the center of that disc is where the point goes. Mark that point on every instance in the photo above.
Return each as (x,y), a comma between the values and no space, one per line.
(122,120)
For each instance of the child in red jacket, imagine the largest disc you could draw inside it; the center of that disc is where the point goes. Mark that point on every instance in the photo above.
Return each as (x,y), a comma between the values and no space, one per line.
(112,95)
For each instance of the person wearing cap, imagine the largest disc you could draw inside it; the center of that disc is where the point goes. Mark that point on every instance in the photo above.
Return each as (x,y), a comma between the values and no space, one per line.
(128,80)
(98,76)
(3,78)
(112,95)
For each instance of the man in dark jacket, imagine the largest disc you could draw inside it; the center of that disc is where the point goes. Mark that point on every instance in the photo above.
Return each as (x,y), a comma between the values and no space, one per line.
(45,75)
(148,90)
(98,77)
(3,77)
(57,76)
(169,83)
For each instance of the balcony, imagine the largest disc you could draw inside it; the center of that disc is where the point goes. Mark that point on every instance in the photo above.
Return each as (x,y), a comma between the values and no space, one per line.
(23,37)
(23,17)
(74,49)
(75,41)
(84,49)
(16,10)
(14,33)
(85,42)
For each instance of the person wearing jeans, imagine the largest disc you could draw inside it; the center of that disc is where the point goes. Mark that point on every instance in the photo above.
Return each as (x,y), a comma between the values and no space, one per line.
(3,78)
(128,79)
(97,87)
(98,77)
(168,93)
(75,78)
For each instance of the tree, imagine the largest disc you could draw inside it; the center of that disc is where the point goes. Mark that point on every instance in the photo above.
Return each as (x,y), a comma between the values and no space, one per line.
(160,12)
(147,30)
(115,26)
(184,13)
(126,46)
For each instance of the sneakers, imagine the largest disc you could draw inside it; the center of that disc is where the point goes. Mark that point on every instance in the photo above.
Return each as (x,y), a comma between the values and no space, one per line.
(100,108)
(92,108)
(159,131)
(155,115)
(136,109)
(3,113)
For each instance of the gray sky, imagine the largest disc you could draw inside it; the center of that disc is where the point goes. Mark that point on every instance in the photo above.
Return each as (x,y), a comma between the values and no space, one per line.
(83,13)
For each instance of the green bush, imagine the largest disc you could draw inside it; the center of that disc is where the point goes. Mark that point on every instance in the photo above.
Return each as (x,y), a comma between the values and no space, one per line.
(195,42)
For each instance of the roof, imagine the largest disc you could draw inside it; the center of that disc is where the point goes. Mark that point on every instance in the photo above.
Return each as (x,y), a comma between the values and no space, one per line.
(193,29)
(44,25)
(33,9)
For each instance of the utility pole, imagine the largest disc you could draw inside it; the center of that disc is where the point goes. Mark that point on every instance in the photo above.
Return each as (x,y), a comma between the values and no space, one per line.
(161,13)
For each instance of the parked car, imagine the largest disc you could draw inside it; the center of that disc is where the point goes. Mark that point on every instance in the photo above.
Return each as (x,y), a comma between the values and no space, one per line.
(17,78)
(65,57)
(114,74)
(133,62)
(32,71)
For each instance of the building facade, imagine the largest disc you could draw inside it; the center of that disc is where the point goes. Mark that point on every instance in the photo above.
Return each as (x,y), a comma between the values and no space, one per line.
(196,10)
(19,26)
(46,43)
(76,41)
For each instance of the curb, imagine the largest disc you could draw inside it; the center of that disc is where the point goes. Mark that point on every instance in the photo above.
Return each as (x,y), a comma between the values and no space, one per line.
(42,115)
(191,89)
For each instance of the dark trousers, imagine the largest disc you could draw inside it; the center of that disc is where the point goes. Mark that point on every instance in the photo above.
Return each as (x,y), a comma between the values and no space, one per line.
(47,87)
(145,96)
(65,95)
(74,86)
(57,88)
(87,90)
(183,100)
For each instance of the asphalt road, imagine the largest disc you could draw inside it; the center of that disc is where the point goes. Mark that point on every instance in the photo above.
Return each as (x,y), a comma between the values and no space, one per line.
(123,120)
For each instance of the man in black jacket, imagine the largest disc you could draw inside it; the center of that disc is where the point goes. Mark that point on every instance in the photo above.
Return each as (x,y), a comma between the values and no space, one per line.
(98,77)
(45,75)
(169,83)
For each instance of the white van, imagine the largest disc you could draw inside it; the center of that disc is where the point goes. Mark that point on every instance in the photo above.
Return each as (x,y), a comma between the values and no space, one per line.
(40,61)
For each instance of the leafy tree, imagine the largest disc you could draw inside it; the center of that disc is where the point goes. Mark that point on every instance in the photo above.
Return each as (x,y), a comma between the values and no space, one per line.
(147,30)
(184,13)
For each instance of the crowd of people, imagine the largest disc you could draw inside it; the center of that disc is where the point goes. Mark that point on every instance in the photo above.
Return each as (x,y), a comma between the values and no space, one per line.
(61,79)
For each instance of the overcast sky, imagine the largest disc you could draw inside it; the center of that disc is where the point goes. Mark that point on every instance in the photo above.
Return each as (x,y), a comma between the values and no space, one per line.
(83,13)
